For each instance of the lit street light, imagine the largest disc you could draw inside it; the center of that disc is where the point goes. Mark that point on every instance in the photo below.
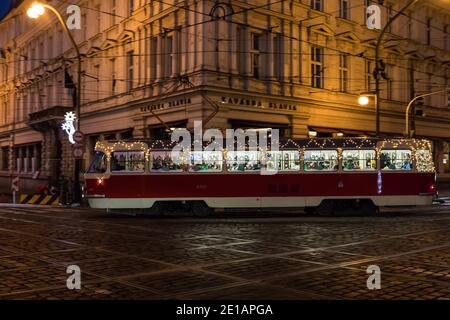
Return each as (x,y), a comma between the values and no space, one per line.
(36,10)
(363,100)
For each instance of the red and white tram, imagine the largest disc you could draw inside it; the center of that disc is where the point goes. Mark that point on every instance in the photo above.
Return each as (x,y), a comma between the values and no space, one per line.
(320,175)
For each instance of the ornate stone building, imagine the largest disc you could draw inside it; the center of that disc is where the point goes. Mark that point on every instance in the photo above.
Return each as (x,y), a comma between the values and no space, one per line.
(151,65)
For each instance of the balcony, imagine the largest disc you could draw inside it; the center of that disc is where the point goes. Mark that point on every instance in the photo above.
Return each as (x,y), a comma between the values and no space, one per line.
(48,118)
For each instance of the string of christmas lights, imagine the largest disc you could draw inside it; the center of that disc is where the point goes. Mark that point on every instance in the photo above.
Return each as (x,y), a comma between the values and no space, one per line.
(421,149)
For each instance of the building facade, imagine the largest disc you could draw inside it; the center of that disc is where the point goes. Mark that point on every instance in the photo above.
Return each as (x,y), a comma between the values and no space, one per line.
(150,65)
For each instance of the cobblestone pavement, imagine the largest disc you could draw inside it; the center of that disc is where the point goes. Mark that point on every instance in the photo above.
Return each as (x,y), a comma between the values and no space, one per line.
(231,256)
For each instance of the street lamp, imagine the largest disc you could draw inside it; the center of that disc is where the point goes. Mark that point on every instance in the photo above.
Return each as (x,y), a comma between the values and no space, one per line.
(379,66)
(363,100)
(407,132)
(36,10)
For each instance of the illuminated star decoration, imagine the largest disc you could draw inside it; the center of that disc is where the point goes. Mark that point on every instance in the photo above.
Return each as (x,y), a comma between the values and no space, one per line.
(68,126)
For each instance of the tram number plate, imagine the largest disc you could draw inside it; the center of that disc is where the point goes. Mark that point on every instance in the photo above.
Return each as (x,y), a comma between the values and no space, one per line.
(201,186)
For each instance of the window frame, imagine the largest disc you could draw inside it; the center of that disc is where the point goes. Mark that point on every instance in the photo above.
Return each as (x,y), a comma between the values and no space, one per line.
(360,170)
(150,162)
(258,171)
(317,171)
(344,72)
(255,54)
(283,171)
(413,166)
(317,5)
(191,163)
(344,13)
(315,77)
(130,70)
(143,171)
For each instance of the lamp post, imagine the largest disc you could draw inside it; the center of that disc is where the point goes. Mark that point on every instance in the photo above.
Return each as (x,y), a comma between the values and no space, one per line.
(36,10)
(379,66)
(407,132)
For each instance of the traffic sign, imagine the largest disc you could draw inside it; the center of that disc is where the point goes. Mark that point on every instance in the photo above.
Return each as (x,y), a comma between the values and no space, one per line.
(78,152)
(15,184)
(78,136)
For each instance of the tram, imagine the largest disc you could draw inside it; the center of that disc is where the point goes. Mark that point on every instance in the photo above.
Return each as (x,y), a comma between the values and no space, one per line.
(320,175)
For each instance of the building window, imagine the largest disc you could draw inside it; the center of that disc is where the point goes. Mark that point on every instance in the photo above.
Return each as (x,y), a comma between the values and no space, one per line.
(429,31)
(344,9)
(317,5)
(32,58)
(317,67)
(130,7)
(241,56)
(278,58)
(168,56)
(5,158)
(84,30)
(97,18)
(409,26)
(255,55)
(113,12)
(27,158)
(389,14)
(445,47)
(343,72)
(130,69)
(113,76)
(153,57)
(97,81)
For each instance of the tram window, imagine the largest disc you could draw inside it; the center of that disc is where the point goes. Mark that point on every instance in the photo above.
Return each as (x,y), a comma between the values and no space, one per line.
(132,161)
(321,160)
(206,161)
(98,164)
(424,161)
(396,160)
(283,160)
(243,161)
(163,161)
(359,160)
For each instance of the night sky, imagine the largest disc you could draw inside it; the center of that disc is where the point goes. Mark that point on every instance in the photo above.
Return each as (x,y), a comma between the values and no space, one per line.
(6,5)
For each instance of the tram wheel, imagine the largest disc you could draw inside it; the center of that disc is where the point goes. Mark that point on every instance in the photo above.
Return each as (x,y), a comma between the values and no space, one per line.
(326,208)
(310,210)
(201,209)
(368,208)
(156,210)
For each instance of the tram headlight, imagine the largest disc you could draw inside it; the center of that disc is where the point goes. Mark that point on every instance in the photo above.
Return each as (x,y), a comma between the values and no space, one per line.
(100,181)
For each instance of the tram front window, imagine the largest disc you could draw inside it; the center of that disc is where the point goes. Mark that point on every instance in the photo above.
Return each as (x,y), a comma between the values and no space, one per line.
(98,165)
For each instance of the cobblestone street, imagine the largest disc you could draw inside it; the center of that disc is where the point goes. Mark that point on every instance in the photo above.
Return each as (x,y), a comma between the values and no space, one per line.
(231,256)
